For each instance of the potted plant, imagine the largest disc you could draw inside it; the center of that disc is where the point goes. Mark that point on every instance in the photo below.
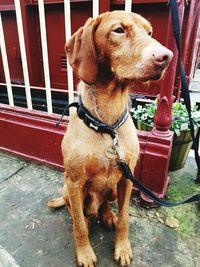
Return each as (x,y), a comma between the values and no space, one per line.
(182,140)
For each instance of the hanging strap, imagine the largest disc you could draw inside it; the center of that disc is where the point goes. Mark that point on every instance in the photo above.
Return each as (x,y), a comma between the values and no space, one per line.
(128,175)
(99,126)
(184,83)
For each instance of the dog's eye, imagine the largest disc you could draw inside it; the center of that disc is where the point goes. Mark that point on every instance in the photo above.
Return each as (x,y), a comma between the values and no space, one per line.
(119,30)
(150,33)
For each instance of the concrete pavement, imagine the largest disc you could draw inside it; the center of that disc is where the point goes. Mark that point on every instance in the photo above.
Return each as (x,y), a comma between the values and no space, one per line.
(34,236)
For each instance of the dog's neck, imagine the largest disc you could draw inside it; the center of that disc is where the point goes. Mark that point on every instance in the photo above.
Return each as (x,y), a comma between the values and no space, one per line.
(105,102)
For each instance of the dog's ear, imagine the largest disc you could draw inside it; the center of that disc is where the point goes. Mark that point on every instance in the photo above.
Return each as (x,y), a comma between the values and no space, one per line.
(81,52)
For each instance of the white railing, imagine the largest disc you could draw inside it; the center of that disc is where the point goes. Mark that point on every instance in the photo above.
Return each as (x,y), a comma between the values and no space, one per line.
(27,86)
(67,14)
(128,5)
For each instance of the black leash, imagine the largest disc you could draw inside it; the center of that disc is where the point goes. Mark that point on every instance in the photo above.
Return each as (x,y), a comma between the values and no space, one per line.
(184,84)
(102,127)
(128,175)
(185,91)
(99,126)
(74,104)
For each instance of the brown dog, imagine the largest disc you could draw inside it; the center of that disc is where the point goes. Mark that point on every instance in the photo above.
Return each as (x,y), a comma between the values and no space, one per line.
(108,54)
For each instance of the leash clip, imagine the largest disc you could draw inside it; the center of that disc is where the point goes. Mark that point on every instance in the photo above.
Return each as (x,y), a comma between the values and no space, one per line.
(116,147)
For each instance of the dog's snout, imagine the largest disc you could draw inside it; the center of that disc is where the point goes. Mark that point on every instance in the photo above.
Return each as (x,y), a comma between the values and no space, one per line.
(162,56)
(157,58)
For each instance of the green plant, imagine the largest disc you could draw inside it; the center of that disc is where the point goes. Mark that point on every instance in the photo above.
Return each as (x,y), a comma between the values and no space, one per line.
(180,119)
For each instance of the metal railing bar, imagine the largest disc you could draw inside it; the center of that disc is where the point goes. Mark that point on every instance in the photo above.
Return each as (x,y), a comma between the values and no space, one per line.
(95,8)
(128,5)
(38,87)
(67,16)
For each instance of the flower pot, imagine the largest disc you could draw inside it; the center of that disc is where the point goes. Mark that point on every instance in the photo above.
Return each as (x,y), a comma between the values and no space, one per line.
(143,126)
(180,150)
(180,147)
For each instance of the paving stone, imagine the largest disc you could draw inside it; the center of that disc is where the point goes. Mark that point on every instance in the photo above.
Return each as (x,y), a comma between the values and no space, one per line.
(9,166)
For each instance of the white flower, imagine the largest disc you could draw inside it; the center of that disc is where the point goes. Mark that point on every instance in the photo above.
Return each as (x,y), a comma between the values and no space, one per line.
(144,117)
(184,126)
(196,115)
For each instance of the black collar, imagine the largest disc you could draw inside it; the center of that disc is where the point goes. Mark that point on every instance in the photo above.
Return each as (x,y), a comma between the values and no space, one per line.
(93,122)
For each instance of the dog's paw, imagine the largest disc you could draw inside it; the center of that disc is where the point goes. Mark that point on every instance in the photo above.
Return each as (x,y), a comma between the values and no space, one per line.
(86,257)
(109,219)
(123,253)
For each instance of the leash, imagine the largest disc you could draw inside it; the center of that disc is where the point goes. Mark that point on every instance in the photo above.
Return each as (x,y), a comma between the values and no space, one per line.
(185,91)
(95,124)
(128,175)
(99,126)
(184,85)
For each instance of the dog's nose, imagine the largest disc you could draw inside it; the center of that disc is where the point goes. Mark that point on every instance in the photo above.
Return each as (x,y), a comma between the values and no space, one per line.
(162,56)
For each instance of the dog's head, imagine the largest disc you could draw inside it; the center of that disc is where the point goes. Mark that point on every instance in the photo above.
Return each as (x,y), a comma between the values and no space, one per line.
(120,44)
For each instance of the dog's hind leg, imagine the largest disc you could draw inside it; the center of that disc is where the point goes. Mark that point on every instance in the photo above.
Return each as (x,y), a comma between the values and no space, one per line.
(61,201)
(123,252)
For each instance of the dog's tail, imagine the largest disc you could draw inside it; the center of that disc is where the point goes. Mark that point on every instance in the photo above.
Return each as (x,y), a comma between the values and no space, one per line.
(56,203)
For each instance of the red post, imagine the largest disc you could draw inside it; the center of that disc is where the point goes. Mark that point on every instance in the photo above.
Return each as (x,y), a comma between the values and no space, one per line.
(159,141)
(163,117)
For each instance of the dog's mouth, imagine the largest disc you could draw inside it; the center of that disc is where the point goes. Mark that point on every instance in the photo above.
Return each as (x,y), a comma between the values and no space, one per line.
(150,77)
(153,74)
(142,73)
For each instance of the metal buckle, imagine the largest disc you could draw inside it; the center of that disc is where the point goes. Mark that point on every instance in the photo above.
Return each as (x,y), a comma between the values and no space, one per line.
(116,147)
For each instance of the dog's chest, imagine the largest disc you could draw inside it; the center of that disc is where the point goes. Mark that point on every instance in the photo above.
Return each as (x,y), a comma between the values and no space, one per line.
(102,167)
(103,176)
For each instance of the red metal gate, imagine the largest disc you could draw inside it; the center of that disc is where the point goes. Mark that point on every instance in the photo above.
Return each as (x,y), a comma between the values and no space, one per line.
(31,133)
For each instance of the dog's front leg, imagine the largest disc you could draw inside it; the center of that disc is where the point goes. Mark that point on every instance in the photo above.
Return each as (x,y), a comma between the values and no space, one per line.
(84,252)
(123,252)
